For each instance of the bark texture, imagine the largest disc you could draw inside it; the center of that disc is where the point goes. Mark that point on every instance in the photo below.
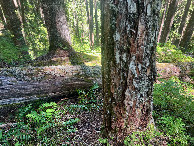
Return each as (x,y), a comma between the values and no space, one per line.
(19,85)
(183,21)
(185,41)
(56,23)
(168,21)
(129,36)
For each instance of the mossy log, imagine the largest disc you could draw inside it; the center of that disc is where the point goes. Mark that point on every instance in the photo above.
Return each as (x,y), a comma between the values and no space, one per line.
(20,85)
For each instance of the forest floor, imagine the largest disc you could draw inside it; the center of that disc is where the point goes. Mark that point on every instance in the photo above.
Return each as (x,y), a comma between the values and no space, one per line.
(89,126)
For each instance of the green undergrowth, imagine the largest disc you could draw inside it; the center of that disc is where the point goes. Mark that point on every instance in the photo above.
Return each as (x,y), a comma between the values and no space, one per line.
(10,55)
(174,110)
(49,123)
(168,53)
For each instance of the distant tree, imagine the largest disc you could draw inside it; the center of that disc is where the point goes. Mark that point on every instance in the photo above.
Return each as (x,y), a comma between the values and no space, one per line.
(91,25)
(2,17)
(168,21)
(57,27)
(87,11)
(162,19)
(129,39)
(185,41)
(14,26)
(183,21)
(96,22)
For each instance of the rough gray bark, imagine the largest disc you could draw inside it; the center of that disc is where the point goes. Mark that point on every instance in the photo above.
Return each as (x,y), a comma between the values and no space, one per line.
(19,85)
(168,21)
(14,25)
(129,36)
(183,21)
(185,41)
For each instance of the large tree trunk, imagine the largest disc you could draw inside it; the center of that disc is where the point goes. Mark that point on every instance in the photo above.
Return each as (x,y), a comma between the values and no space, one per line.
(57,27)
(91,25)
(14,25)
(129,36)
(162,19)
(169,21)
(185,41)
(184,17)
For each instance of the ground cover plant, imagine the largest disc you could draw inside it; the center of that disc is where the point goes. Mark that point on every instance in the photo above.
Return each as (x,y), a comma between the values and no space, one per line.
(169,53)
(173,110)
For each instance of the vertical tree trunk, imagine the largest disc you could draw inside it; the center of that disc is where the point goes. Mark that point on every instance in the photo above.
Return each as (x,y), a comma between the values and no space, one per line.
(168,21)
(96,21)
(22,12)
(58,30)
(2,17)
(185,41)
(56,23)
(129,39)
(184,17)
(91,25)
(77,26)
(162,19)
(87,11)
(14,25)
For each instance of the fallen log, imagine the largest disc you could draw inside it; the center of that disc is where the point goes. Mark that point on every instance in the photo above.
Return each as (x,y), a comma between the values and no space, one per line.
(20,85)
(26,84)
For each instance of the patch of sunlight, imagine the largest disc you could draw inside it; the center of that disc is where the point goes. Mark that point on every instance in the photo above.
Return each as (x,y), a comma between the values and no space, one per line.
(90,59)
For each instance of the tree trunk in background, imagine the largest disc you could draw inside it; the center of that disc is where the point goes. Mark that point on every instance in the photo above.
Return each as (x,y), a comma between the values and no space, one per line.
(184,17)
(77,26)
(56,23)
(22,12)
(96,21)
(129,39)
(14,26)
(163,18)
(87,11)
(168,21)
(91,25)
(58,30)
(185,41)
(2,17)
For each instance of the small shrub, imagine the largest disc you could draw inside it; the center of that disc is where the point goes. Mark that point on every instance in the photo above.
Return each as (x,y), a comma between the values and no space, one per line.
(174,128)
(141,138)
(170,98)
(88,97)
